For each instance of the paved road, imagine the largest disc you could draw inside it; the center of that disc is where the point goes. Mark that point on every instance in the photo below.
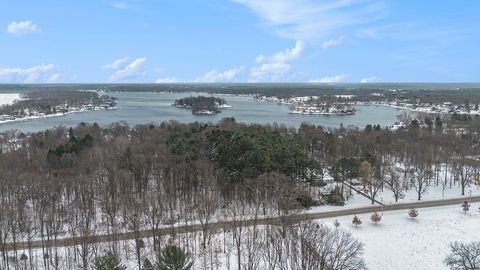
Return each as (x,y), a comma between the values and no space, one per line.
(227,224)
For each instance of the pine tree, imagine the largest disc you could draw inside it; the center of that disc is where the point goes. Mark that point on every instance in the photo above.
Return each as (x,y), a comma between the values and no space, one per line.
(466,206)
(356,221)
(147,265)
(467,105)
(376,217)
(413,213)
(173,258)
(109,261)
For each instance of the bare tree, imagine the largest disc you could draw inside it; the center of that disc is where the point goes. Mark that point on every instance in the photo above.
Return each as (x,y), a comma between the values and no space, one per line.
(421,178)
(464,256)
(371,180)
(395,184)
(318,247)
(207,205)
(464,169)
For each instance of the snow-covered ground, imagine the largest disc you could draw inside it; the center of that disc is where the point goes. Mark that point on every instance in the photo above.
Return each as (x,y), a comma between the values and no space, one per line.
(43,115)
(433,192)
(398,242)
(6,99)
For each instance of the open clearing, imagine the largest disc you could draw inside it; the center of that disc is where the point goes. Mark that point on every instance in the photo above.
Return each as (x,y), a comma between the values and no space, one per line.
(398,242)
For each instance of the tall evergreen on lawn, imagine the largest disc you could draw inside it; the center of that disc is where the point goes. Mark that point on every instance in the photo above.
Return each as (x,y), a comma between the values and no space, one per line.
(109,261)
(174,258)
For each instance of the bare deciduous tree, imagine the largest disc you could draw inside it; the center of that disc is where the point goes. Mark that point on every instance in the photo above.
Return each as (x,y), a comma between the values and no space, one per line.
(464,256)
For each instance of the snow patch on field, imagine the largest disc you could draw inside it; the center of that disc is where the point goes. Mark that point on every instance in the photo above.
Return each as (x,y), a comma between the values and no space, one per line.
(6,99)
(399,242)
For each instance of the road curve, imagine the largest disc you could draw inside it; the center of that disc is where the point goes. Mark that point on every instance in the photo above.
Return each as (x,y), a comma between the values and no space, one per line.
(228,224)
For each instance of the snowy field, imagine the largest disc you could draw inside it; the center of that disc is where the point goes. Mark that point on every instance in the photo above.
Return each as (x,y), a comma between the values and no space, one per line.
(6,99)
(386,196)
(400,243)
(397,242)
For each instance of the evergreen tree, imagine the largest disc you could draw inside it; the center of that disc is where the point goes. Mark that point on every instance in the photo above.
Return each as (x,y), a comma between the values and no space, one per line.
(109,261)
(173,258)
(376,217)
(413,213)
(438,124)
(368,128)
(467,105)
(429,123)
(147,265)
(356,221)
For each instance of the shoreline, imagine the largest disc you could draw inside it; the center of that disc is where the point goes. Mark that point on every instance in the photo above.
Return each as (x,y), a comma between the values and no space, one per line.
(33,117)
(438,109)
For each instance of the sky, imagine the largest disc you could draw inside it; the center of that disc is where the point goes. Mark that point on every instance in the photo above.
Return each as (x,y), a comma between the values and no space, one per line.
(232,41)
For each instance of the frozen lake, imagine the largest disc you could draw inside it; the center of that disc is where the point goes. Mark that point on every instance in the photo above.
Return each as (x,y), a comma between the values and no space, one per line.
(144,107)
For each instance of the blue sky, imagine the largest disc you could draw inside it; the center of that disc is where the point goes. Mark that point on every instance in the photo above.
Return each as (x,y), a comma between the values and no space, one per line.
(164,41)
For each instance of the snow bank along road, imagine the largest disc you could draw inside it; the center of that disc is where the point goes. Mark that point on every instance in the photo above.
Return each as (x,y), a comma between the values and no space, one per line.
(295,218)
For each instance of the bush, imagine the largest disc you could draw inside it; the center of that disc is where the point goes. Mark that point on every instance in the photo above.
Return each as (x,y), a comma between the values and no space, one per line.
(336,197)
(356,221)
(307,201)
(413,213)
(376,217)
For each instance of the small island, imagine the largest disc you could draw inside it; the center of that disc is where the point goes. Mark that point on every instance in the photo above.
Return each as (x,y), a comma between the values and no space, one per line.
(202,105)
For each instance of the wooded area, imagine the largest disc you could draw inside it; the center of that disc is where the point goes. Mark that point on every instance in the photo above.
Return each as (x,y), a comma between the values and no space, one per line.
(89,180)
(56,101)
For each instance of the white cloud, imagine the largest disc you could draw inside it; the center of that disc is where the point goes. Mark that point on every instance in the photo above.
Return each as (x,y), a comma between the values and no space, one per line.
(274,67)
(117,64)
(126,69)
(307,19)
(284,56)
(332,79)
(333,42)
(36,74)
(119,5)
(167,80)
(220,76)
(371,80)
(269,71)
(54,78)
(21,28)
(368,33)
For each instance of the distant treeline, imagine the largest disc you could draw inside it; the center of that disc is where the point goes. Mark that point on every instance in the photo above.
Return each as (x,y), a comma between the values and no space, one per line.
(200,104)
(54,101)
(426,92)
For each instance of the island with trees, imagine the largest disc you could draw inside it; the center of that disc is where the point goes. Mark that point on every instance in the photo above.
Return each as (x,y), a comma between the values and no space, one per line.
(202,105)
(48,103)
